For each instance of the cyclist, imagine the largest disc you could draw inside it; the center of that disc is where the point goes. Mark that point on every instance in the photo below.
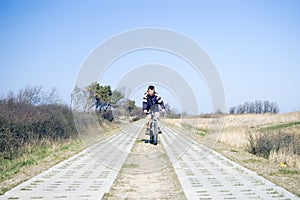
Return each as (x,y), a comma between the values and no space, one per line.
(151,99)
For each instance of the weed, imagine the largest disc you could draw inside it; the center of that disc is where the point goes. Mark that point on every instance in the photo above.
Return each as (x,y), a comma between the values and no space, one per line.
(201,132)
(272,173)
(130,165)
(289,171)
(234,150)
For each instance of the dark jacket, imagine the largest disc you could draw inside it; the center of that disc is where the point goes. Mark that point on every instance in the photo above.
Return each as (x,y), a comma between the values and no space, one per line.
(149,101)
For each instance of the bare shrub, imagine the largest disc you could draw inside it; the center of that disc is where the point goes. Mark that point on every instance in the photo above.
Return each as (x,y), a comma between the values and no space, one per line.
(279,147)
(31,118)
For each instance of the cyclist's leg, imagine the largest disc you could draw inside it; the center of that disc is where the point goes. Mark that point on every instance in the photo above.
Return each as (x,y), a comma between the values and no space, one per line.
(148,118)
(158,122)
(157,117)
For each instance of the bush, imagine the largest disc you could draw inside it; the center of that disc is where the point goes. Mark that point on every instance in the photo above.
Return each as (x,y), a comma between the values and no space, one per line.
(24,123)
(264,143)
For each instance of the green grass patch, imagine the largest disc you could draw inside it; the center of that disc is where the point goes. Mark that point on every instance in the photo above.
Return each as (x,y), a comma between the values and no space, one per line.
(10,167)
(280,126)
(285,172)
(202,132)
(289,171)
(234,150)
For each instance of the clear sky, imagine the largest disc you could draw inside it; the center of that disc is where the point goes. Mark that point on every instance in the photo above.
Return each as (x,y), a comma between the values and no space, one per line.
(254,44)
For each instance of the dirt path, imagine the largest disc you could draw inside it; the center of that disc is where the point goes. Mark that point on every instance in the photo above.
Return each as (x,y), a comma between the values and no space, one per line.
(146,174)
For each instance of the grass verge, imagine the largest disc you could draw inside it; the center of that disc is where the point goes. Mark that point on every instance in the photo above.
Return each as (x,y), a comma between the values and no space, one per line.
(15,171)
(280,126)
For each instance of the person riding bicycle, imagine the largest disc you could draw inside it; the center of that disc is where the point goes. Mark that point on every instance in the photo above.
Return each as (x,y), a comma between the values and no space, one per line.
(151,100)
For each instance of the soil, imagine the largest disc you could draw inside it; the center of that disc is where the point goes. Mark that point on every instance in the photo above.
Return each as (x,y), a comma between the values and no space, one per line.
(146,174)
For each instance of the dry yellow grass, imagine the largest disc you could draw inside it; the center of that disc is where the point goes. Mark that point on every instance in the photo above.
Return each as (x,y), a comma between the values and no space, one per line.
(237,128)
(282,167)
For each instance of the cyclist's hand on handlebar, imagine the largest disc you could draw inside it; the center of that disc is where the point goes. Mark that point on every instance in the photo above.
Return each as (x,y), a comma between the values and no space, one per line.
(163,110)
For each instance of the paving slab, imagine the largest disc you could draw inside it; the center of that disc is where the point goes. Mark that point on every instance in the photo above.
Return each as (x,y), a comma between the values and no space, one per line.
(85,176)
(206,174)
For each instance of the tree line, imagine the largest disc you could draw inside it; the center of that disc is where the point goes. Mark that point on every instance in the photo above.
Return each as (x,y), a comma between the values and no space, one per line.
(34,117)
(257,107)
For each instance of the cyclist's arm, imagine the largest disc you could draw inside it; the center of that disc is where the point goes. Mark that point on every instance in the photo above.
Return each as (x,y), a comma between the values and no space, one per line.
(145,104)
(160,101)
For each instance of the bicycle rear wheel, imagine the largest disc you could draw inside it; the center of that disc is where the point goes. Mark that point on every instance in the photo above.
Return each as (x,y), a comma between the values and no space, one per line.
(155,139)
(155,132)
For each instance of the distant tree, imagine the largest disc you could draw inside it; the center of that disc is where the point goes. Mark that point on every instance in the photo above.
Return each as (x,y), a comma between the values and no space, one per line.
(130,106)
(80,99)
(172,112)
(232,110)
(168,108)
(266,106)
(240,109)
(116,97)
(247,107)
(251,107)
(218,111)
(100,95)
(258,107)
(274,108)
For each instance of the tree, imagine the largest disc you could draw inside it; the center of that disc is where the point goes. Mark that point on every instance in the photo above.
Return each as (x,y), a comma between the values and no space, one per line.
(232,110)
(36,96)
(168,108)
(240,109)
(130,106)
(251,107)
(266,106)
(258,107)
(274,108)
(100,95)
(116,97)
(247,107)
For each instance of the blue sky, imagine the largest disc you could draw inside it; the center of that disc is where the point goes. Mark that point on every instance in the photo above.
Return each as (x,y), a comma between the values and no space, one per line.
(255,45)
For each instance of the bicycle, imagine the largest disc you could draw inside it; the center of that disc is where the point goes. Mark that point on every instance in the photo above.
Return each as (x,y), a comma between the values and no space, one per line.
(153,129)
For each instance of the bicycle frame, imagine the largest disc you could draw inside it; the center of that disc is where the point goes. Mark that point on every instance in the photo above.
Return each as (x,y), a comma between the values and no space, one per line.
(153,129)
